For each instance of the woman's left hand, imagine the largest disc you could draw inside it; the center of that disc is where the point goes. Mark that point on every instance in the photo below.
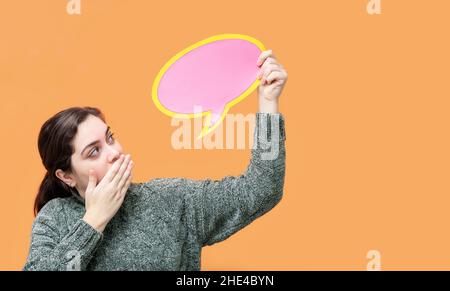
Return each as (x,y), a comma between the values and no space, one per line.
(273,77)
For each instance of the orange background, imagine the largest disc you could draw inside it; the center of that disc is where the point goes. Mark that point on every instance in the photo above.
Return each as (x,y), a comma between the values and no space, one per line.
(366,108)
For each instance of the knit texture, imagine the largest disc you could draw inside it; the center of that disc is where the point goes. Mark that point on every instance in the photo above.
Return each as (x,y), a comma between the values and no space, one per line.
(164,223)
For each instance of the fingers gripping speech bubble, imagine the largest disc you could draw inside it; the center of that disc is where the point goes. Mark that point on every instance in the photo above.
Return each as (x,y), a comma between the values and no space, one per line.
(208,78)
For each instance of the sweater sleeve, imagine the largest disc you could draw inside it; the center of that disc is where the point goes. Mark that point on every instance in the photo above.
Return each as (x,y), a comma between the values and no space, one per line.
(50,251)
(227,205)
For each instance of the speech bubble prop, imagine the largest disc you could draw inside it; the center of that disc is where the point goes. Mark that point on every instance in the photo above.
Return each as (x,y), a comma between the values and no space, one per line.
(208,78)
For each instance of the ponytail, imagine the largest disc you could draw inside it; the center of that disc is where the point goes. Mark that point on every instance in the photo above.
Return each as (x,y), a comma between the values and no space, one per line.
(49,189)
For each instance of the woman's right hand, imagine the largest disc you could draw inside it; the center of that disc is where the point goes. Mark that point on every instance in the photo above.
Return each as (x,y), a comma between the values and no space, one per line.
(102,201)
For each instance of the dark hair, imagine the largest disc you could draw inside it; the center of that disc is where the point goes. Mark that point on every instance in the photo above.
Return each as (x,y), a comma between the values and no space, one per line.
(55,143)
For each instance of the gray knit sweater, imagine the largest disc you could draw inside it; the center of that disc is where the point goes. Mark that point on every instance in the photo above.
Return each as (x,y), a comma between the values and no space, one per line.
(164,223)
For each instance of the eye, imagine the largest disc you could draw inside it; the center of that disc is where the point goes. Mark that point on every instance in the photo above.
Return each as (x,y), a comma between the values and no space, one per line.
(111,136)
(94,149)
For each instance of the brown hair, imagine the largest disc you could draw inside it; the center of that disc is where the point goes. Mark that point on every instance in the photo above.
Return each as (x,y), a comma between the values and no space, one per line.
(55,143)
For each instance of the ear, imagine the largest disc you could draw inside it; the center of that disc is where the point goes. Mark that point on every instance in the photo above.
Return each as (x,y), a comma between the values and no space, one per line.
(65,177)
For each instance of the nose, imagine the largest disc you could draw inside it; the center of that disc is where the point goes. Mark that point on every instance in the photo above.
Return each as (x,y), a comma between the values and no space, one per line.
(113,156)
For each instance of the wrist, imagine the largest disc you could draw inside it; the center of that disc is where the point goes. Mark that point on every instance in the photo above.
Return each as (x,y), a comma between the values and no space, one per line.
(268,106)
(95,223)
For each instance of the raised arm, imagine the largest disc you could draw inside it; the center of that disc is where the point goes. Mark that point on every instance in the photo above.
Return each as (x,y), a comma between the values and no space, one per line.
(231,203)
(227,205)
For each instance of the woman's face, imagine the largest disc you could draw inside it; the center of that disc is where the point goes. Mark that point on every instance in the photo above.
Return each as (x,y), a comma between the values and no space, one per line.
(96,149)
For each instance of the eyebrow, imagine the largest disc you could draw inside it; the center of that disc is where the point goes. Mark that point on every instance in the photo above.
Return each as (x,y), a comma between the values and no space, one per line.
(94,142)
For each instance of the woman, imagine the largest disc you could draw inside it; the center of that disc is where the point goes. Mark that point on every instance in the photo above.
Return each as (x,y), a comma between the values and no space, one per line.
(89,216)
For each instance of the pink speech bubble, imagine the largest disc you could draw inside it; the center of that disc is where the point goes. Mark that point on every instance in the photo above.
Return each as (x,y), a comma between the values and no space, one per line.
(213,74)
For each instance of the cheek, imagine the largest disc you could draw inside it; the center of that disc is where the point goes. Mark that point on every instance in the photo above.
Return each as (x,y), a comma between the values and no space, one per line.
(101,169)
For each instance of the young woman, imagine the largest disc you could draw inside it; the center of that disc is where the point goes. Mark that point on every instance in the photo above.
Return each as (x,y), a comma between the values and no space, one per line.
(90,216)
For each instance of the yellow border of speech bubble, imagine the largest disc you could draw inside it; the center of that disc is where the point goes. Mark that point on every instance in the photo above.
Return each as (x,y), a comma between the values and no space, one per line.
(206,129)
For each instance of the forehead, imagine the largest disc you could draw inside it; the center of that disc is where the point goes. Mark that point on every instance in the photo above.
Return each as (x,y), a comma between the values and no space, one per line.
(92,129)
